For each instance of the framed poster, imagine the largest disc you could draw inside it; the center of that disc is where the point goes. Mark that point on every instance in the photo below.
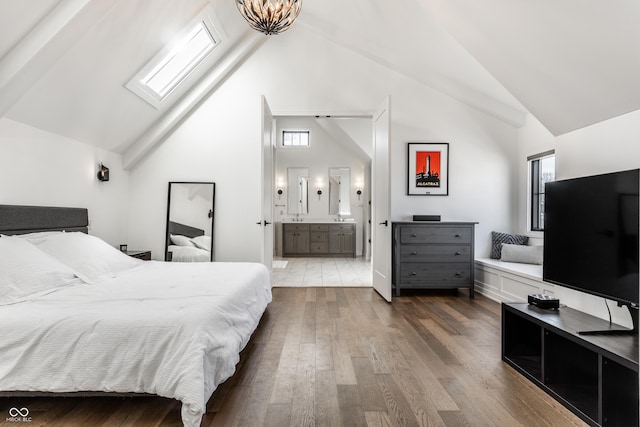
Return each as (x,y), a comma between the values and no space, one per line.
(428,170)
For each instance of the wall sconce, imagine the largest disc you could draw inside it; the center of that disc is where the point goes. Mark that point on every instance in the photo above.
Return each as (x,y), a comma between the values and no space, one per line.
(103,173)
(359,189)
(319,188)
(280,188)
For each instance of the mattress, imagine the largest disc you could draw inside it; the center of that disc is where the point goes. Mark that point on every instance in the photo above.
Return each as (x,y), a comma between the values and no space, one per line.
(169,329)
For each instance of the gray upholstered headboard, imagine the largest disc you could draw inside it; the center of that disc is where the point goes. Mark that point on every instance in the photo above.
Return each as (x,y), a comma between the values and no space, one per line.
(29,219)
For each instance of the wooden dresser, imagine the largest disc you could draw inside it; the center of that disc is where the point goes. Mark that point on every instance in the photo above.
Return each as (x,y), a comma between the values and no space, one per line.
(433,255)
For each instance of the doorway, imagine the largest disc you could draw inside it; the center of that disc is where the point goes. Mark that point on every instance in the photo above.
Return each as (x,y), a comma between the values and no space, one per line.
(337,166)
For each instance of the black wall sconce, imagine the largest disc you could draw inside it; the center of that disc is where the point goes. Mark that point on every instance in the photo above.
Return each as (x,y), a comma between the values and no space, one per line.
(103,173)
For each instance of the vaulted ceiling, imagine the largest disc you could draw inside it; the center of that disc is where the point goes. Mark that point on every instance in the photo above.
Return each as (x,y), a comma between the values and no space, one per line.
(64,63)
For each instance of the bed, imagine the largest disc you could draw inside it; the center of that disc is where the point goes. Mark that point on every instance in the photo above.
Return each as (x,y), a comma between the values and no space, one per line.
(187,244)
(110,323)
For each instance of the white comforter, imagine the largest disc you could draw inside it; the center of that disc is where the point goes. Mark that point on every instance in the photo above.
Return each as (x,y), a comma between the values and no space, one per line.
(189,254)
(170,329)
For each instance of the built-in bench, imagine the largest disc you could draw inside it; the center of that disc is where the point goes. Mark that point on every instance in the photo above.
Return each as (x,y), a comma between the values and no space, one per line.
(509,281)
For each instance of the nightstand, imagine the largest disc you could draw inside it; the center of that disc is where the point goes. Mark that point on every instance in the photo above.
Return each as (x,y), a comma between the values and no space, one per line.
(143,255)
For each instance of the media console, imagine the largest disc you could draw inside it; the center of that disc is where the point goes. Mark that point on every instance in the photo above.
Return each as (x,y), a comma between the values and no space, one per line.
(594,376)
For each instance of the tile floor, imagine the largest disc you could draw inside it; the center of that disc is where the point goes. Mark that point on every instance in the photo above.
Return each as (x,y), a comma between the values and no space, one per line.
(303,272)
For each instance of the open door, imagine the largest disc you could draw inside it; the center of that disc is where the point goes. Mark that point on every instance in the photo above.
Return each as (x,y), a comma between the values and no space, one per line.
(381,211)
(267,185)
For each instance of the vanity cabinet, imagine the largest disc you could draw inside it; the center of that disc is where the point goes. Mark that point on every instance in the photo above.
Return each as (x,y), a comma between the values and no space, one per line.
(341,239)
(433,255)
(296,239)
(319,239)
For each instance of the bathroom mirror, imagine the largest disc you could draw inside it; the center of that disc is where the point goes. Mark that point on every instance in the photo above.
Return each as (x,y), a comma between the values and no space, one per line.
(298,191)
(339,191)
(190,215)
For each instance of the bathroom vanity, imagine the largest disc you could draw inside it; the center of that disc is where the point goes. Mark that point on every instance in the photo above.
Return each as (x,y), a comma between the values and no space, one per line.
(319,239)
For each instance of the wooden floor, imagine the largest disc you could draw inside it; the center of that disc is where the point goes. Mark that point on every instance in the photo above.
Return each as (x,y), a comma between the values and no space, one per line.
(344,357)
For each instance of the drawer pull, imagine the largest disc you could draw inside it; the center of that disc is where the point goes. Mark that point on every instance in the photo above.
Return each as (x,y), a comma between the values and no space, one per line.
(458,236)
(414,273)
(414,253)
(458,275)
(414,235)
(458,253)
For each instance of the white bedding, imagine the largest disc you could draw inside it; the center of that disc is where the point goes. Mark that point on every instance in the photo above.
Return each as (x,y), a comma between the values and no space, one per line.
(170,329)
(188,254)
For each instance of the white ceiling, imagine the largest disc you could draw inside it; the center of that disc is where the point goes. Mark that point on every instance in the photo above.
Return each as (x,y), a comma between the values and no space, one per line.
(63,64)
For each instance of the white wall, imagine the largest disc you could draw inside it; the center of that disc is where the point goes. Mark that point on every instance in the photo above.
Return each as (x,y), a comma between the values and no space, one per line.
(220,142)
(604,147)
(298,73)
(44,169)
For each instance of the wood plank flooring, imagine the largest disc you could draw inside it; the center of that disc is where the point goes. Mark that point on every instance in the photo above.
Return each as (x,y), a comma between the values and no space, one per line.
(345,357)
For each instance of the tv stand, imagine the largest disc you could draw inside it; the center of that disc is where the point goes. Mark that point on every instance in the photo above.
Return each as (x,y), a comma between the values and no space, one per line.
(617,330)
(594,376)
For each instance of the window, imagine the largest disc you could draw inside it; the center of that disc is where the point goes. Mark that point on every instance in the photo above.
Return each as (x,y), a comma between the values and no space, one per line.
(295,138)
(167,70)
(542,169)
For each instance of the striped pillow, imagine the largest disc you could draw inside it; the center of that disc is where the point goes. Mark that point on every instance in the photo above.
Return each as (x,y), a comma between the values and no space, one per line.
(497,239)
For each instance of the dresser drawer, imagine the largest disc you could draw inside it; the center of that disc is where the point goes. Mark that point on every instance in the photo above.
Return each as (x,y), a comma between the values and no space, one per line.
(319,247)
(319,227)
(341,228)
(435,273)
(453,235)
(318,236)
(435,253)
(296,227)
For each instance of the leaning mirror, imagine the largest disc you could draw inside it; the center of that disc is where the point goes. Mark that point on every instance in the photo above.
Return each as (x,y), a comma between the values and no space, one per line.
(190,215)
(298,191)
(339,191)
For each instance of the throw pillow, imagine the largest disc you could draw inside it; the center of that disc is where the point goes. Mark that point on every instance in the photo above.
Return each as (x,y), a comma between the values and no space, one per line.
(497,239)
(522,254)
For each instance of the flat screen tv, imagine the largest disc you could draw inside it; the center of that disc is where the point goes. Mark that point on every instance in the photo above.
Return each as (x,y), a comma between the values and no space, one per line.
(591,236)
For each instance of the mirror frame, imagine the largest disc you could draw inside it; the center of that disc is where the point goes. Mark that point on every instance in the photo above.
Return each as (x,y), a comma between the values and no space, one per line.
(341,191)
(292,190)
(185,229)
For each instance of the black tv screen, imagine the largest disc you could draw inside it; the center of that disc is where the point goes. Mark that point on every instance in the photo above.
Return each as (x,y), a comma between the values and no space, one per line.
(591,235)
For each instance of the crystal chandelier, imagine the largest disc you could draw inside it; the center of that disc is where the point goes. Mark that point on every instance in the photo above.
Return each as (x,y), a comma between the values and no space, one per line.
(269,16)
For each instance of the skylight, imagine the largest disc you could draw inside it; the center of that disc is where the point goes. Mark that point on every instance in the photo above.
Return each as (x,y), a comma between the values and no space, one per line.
(167,70)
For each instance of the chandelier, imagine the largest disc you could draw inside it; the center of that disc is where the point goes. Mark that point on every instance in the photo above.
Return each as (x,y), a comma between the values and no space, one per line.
(269,16)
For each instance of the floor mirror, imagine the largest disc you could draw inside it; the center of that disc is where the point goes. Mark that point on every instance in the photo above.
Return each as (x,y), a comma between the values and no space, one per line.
(190,219)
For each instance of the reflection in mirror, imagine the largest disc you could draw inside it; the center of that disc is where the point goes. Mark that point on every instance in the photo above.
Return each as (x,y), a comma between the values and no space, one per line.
(190,214)
(339,191)
(298,194)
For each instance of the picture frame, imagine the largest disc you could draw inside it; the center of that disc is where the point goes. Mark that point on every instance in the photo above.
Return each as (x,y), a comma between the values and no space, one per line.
(428,168)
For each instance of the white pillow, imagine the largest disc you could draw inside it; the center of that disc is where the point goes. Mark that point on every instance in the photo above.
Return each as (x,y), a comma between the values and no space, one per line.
(38,237)
(522,253)
(92,259)
(180,240)
(27,272)
(202,242)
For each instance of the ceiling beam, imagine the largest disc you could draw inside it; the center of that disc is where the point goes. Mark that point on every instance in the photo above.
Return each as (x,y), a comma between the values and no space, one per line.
(162,128)
(28,60)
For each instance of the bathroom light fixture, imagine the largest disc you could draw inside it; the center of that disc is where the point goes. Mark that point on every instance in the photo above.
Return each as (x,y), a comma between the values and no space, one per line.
(319,188)
(269,16)
(103,173)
